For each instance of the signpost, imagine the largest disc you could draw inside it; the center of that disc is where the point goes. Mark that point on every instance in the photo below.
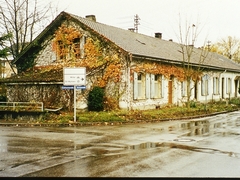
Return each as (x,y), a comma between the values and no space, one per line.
(72,87)
(74,78)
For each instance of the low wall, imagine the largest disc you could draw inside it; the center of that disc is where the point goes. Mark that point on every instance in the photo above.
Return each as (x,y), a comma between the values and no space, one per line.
(13,115)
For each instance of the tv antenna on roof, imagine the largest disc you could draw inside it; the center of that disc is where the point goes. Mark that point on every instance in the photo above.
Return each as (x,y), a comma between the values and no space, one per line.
(136,22)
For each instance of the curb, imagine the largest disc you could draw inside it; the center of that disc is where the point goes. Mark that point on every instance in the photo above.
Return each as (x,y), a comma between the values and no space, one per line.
(79,124)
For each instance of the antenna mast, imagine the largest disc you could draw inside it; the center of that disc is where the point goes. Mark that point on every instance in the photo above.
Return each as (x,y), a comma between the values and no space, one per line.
(136,22)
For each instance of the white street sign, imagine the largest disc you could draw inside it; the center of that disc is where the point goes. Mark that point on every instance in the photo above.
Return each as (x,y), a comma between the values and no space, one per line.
(74,76)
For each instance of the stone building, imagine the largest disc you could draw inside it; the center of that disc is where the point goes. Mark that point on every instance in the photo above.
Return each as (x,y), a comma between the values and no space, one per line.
(135,70)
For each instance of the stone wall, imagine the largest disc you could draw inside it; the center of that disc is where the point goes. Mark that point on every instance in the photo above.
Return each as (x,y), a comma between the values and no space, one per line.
(52,95)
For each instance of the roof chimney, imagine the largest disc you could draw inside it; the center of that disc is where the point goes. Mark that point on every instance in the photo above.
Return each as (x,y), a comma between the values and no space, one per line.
(91,17)
(131,29)
(158,35)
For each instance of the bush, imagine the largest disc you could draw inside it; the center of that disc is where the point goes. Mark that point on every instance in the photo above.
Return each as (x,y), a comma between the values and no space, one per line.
(3,98)
(96,99)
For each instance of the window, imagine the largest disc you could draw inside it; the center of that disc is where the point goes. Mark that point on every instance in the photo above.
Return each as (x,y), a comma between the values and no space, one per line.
(3,75)
(156,86)
(74,49)
(139,86)
(205,85)
(148,86)
(62,53)
(215,85)
(229,85)
(184,88)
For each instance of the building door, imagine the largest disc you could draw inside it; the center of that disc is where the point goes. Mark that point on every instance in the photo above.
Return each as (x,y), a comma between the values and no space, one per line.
(196,90)
(170,90)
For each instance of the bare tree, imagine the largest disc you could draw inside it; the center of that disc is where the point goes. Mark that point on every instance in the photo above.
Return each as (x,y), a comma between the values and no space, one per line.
(192,58)
(24,19)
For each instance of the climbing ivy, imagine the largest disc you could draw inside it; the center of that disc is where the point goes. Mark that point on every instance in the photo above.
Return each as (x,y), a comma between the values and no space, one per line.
(95,55)
(154,68)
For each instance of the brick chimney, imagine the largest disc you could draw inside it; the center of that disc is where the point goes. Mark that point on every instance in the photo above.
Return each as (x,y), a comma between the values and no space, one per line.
(158,35)
(131,29)
(91,17)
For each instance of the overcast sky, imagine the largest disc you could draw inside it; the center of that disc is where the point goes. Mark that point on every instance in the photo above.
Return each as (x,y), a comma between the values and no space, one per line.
(214,19)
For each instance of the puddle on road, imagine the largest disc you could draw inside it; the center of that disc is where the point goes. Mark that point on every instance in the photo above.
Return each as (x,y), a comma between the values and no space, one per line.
(205,128)
(145,145)
(35,145)
(103,149)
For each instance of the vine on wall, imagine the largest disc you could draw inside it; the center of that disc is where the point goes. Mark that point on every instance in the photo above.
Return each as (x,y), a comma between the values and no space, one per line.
(154,68)
(95,59)
(63,43)
(99,58)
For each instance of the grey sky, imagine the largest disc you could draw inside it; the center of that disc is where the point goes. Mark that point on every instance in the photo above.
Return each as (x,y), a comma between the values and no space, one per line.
(214,19)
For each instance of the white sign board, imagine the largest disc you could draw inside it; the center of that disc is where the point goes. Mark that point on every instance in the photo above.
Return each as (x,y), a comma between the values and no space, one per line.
(74,76)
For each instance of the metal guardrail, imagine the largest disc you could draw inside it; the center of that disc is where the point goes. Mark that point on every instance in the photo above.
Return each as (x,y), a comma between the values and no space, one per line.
(21,106)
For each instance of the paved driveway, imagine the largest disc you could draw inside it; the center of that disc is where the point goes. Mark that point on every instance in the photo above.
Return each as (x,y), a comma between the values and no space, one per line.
(204,147)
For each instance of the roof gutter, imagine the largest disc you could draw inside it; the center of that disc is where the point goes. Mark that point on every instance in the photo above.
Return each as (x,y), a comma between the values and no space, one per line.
(181,63)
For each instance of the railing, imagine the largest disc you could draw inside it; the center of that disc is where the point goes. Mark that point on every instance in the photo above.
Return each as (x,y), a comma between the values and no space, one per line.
(21,106)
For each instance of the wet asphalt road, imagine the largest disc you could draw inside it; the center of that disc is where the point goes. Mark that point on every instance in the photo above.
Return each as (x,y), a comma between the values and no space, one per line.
(204,147)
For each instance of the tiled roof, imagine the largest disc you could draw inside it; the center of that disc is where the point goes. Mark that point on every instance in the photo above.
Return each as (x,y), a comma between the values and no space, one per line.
(147,46)
(137,44)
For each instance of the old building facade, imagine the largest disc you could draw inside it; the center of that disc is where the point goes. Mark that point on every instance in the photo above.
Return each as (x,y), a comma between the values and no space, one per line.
(135,70)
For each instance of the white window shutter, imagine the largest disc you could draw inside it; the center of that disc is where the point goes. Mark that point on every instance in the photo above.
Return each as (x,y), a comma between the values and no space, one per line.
(152,93)
(148,85)
(183,88)
(163,83)
(214,85)
(135,85)
(230,85)
(207,81)
(203,86)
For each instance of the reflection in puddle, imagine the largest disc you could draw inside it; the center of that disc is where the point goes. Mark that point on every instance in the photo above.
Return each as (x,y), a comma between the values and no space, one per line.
(205,127)
(196,127)
(146,145)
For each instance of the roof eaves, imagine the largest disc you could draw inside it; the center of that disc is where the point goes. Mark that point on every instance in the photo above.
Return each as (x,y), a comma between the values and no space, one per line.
(180,63)
(155,59)
(41,35)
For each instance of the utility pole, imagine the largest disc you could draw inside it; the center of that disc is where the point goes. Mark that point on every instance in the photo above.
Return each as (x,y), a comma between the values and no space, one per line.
(208,45)
(136,22)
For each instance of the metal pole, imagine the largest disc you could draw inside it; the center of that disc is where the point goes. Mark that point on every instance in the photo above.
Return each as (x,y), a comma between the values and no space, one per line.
(74,102)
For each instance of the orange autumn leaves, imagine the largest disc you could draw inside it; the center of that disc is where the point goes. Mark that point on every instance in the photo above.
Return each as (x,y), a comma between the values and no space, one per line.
(168,70)
(63,43)
(93,59)
(97,59)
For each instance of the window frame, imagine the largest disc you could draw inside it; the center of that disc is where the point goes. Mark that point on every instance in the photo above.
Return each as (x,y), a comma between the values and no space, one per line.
(229,86)
(216,86)
(205,85)
(156,86)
